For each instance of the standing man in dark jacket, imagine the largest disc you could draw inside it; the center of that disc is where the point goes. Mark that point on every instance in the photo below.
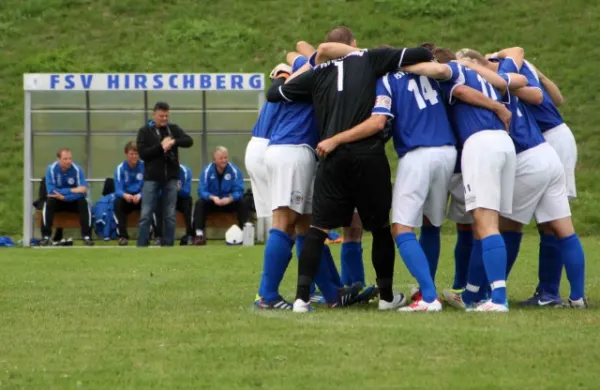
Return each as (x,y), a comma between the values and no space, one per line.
(158,144)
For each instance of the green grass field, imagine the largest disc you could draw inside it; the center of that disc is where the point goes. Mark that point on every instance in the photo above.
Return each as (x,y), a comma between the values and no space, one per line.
(183,318)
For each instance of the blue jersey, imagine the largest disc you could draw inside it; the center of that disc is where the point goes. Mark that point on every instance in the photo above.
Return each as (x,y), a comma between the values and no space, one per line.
(229,183)
(61,181)
(267,119)
(297,124)
(419,113)
(546,114)
(185,181)
(468,119)
(129,180)
(524,130)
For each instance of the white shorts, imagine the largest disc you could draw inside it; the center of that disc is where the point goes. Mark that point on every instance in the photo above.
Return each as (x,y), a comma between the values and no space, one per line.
(488,168)
(562,140)
(255,165)
(291,172)
(421,187)
(540,188)
(456,208)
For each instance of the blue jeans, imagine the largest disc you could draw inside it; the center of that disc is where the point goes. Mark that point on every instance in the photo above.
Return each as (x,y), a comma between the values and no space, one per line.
(151,192)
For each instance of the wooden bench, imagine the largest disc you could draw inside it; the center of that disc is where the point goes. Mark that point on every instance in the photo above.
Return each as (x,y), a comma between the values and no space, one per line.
(216,223)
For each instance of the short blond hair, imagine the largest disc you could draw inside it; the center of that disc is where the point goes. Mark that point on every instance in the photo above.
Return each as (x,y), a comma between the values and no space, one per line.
(220,149)
(471,55)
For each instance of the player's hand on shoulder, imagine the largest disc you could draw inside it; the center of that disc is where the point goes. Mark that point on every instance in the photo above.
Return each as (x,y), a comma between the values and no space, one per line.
(280,68)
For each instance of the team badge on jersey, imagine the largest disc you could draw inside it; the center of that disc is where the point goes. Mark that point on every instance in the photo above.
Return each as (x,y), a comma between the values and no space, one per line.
(297,197)
(383,102)
(140,176)
(227,176)
(71,181)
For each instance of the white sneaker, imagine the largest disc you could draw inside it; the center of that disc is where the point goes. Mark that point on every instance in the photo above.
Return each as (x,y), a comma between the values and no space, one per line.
(580,303)
(491,306)
(398,301)
(422,306)
(302,307)
(454,298)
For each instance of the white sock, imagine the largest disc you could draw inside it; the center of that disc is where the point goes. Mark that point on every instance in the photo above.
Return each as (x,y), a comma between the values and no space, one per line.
(199,232)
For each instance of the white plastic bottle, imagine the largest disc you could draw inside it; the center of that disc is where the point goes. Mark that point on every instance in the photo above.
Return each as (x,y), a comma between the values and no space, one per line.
(248,234)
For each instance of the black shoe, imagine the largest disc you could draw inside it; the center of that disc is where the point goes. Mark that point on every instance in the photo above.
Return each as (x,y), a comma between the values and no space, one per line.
(123,241)
(199,240)
(46,241)
(184,241)
(88,242)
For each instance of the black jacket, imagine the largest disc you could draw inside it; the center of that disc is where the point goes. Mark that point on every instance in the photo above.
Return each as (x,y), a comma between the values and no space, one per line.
(161,166)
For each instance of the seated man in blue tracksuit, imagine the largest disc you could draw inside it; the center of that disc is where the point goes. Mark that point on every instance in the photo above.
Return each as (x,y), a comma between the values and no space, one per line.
(221,189)
(66,187)
(129,179)
(184,205)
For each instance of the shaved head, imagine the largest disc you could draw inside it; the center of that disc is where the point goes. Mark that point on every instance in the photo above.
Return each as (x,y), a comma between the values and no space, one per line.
(341,34)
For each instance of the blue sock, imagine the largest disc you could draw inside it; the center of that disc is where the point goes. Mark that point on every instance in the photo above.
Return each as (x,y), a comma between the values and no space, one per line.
(550,265)
(299,244)
(494,261)
(278,251)
(413,256)
(430,243)
(462,254)
(475,275)
(353,269)
(512,240)
(325,280)
(333,271)
(571,253)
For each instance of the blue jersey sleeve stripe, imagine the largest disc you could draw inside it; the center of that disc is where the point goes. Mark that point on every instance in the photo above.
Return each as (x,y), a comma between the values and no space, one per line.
(386,83)
(376,111)
(460,80)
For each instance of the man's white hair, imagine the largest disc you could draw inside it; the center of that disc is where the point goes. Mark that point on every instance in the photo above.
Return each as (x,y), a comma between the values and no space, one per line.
(220,149)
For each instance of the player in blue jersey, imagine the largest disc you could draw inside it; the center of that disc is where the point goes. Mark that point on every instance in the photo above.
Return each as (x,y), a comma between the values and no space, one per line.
(129,179)
(540,185)
(257,146)
(66,189)
(560,137)
(488,163)
(290,162)
(424,142)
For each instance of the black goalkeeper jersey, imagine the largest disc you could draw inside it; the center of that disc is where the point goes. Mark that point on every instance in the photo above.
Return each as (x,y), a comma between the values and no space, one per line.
(343,90)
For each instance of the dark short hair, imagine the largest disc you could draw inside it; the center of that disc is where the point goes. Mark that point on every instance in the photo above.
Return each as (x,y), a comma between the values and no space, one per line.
(428,45)
(161,106)
(443,55)
(340,34)
(60,151)
(131,145)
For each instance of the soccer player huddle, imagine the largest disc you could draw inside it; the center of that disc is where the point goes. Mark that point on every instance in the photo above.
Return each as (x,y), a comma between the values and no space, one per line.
(479,141)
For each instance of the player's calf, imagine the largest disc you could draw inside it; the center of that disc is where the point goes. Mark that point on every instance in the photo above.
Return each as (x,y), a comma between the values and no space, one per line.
(415,260)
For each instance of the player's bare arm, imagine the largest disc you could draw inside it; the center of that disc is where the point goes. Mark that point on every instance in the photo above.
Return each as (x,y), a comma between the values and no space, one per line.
(476,98)
(303,68)
(291,56)
(305,49)
(516,53)
(332,50)
(430,69)
(531,95)
(551,88)
(367,128)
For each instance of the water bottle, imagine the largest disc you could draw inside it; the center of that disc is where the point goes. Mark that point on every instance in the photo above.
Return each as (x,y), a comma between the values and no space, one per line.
(248,234)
